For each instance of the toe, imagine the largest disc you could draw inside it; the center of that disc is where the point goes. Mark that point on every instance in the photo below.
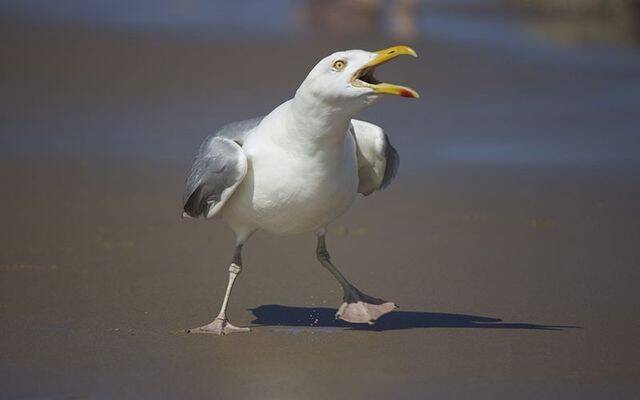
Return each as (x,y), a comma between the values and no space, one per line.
(229,328)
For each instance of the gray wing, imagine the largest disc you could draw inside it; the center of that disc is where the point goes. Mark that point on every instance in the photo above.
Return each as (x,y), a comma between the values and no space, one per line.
(378,160)
(218,169)
(238,131)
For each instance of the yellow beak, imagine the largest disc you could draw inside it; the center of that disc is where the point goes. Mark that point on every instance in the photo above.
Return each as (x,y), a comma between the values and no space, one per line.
(386,55)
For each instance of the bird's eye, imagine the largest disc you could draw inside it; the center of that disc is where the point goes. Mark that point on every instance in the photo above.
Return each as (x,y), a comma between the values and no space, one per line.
(339,65)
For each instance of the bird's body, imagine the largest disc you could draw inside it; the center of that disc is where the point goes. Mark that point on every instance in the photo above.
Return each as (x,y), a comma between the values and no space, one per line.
(290,186)
(300,167)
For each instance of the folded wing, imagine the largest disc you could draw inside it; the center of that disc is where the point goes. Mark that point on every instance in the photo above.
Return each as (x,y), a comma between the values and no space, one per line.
(378,160)
(218,169)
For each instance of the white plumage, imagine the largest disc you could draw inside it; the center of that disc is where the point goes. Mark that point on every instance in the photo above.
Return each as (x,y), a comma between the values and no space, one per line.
(300,167)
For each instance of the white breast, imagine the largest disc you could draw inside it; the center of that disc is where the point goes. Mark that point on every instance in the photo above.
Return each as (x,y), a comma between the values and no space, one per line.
(287,191)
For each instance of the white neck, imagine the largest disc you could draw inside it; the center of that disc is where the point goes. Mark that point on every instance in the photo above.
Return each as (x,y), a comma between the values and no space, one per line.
(314,124)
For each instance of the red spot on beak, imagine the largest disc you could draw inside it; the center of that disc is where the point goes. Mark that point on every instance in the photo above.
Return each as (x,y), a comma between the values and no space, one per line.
(406,93)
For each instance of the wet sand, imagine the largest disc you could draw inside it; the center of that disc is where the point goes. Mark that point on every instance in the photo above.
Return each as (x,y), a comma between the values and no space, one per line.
(515,279)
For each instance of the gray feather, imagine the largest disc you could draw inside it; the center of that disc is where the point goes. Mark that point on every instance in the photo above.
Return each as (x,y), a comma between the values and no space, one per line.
(238,131)
(217,170)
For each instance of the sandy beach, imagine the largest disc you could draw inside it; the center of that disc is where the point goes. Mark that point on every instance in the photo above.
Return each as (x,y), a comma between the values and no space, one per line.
(509,239)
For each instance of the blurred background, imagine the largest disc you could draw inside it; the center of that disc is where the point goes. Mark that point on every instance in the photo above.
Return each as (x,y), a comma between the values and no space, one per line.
(511,81)
(516,200)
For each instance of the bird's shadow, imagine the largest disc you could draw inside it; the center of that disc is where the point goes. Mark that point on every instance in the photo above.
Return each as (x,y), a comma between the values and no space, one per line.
(287,316)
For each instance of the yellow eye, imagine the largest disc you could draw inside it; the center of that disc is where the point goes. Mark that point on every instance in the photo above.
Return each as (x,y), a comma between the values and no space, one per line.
(339,65)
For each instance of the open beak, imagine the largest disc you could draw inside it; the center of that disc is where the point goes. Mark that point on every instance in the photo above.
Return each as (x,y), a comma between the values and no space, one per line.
(364,76)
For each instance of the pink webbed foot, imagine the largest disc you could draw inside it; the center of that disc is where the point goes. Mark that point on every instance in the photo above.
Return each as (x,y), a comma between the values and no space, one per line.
(360,312)
(219,326)
(360,308)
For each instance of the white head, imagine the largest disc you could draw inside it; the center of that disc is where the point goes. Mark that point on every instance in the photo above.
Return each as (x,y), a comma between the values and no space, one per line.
(345,79)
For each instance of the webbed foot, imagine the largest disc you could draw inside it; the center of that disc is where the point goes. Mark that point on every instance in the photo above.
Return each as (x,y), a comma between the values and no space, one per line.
(219,326)
(361,308)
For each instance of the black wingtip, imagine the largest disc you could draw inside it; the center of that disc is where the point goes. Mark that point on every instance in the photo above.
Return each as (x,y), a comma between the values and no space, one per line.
(194,205)
(393,163)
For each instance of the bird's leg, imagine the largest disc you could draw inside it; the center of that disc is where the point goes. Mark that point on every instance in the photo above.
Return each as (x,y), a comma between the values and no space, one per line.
(221,325)
(357,307)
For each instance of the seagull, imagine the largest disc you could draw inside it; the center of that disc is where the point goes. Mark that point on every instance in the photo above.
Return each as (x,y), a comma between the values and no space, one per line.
(299,168)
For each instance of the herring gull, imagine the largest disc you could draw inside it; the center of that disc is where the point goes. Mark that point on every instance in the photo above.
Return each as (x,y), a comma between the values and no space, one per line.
(299,168)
